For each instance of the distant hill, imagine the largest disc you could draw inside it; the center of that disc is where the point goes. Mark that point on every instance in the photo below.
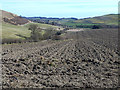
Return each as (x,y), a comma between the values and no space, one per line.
(13,18)
(110,20)
(52,21)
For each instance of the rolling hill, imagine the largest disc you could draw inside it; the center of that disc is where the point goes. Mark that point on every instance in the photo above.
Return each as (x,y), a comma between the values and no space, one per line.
(14,26)
(110,20)
(13,18)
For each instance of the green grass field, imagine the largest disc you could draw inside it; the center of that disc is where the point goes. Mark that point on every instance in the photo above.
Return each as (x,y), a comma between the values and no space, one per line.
(111,19)
(10,31)
(44,26)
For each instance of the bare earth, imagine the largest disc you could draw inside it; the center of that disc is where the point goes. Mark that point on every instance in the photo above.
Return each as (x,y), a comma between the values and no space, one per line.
(75,30)
(86,59)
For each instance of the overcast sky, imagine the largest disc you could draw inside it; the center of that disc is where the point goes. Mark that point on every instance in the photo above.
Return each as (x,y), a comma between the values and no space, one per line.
(61,8)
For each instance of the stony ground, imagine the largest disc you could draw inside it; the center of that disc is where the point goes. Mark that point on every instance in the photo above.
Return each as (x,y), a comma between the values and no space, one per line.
(86,59)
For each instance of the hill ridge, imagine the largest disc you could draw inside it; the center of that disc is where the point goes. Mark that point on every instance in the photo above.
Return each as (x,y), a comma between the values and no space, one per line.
(14,19)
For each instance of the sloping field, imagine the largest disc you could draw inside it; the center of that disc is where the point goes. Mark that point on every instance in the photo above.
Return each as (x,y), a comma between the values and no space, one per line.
(111,19)
(12,18)
(7,14)
(86,59)
(10,31)
(13,26)
(45,26)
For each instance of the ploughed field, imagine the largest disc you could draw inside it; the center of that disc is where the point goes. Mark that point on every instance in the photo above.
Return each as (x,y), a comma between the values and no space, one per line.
(86,58)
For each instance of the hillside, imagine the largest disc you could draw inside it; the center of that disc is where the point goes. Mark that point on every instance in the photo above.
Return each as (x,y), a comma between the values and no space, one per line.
(11,26)
(13,18)
(110,20)
(10,31)
(14,26)
(7,14)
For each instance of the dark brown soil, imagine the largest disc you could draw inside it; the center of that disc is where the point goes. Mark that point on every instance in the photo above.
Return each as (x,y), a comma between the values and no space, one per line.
(87,59)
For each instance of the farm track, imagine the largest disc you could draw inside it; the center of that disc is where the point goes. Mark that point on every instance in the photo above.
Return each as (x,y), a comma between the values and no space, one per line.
(87,59)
